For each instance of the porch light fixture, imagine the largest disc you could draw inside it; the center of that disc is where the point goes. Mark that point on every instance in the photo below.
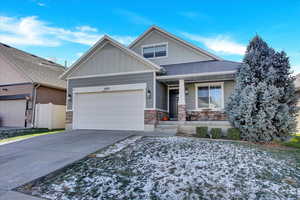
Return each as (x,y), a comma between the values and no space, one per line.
(69,96)
(148,93)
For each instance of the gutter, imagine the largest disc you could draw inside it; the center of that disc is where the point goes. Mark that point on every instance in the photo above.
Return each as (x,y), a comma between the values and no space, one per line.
(194,75)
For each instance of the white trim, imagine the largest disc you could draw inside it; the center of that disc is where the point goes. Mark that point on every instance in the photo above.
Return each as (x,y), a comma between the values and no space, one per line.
(190,45)
(67,101)
(156,109)
(209,84)
(154,90)
(110,74)
(194,75)
(168,95)
(154,45)
(110,88)
(115,43)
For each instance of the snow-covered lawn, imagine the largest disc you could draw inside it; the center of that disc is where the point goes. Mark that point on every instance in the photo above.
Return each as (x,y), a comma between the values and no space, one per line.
(177,168)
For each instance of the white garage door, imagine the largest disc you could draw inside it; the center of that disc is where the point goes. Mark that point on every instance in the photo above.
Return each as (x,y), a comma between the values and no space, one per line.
(12,113)
(122,110)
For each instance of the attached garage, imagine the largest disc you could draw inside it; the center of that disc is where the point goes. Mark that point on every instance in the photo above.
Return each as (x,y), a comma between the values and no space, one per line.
(12,113)
(109,108)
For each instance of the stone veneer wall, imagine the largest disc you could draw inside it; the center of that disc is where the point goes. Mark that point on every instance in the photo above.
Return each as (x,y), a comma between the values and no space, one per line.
(69,117)
(153,116)
(207,115)
(182,113)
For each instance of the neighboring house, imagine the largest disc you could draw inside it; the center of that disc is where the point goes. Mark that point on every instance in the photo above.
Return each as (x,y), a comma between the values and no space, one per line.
(158,75)
(26,80)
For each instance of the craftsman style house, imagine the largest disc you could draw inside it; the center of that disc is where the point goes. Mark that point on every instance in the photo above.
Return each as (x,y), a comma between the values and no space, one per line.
(157,77)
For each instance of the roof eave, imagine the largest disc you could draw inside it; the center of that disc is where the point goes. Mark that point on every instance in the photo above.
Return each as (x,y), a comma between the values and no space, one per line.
(182,76)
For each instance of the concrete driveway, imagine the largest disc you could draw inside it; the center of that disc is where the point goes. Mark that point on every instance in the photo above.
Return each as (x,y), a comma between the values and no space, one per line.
(26,160)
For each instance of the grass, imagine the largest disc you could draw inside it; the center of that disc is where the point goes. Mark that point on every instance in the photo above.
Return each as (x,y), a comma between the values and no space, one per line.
(23,137)
(293,142)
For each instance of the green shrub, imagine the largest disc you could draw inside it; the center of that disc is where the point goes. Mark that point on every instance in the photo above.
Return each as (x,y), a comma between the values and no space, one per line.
(233,134)
(216,133)
(202,132)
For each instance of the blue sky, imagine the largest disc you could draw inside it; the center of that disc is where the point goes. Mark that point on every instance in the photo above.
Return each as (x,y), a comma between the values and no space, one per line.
(65,29)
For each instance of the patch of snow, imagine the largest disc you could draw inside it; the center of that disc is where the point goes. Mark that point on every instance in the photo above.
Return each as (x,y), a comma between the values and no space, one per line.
(118,146)
(177,168)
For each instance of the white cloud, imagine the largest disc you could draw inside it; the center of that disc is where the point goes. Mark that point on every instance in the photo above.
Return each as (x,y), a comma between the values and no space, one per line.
(220,43)
(134,17)
(86,29)
(79,54)
(31,31)
(41,4)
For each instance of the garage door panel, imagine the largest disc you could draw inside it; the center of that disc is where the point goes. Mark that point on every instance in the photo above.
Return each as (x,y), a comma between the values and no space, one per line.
(12,113)
(110,110)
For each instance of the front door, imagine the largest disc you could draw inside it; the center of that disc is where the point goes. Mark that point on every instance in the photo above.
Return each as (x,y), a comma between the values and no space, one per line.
(173,103)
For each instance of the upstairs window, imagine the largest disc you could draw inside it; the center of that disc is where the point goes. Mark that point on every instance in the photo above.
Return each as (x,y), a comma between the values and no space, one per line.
(155,51)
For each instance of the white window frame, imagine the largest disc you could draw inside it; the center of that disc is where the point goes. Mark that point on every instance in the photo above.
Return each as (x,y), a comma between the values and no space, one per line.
(154,45)
(208,85)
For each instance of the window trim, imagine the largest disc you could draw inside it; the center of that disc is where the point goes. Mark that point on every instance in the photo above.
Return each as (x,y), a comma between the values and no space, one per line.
(154,45)
(197,85)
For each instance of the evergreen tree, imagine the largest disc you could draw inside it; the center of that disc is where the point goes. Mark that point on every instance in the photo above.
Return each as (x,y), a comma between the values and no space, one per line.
(263,103)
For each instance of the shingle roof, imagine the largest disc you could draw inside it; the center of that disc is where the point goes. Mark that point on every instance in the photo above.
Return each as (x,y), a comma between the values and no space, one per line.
(201,67)
(37,69)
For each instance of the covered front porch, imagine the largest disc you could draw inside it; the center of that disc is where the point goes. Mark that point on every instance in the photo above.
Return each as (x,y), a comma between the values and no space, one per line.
(200,97)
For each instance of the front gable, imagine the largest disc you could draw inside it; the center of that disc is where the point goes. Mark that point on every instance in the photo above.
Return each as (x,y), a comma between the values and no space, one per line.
(178,51)
(109,60)
(109,57)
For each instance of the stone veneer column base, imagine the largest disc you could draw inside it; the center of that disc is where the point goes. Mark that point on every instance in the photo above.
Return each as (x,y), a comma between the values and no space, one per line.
(207,115)
(69,120)
(181,112)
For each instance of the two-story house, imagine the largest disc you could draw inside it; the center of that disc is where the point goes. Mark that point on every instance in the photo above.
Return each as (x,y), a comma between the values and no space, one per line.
(158,76)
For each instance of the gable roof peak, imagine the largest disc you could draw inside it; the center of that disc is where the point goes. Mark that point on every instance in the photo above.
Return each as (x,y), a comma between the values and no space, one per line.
(115,43)
(174,37)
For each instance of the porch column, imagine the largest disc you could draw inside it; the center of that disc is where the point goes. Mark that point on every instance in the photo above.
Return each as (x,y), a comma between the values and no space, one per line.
(181,102)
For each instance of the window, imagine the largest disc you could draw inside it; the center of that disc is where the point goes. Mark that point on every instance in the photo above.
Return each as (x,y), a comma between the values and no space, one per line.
(155,51)
(209,96)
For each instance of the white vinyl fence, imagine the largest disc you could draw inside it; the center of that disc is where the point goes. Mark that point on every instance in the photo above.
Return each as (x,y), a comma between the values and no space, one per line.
(50,116)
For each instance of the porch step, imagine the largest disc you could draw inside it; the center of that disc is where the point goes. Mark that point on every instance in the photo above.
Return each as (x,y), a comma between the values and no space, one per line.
(165,128)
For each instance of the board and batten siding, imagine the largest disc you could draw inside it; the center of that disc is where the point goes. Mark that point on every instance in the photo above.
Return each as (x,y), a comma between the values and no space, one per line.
(108,60)
(113,80)
(190,98)
(177,52)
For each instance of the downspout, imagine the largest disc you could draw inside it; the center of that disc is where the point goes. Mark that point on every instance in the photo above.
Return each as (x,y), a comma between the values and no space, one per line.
(33,105)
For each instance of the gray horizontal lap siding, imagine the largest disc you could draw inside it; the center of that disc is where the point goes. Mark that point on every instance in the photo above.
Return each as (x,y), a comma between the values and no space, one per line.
(161,96)
(113,80)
